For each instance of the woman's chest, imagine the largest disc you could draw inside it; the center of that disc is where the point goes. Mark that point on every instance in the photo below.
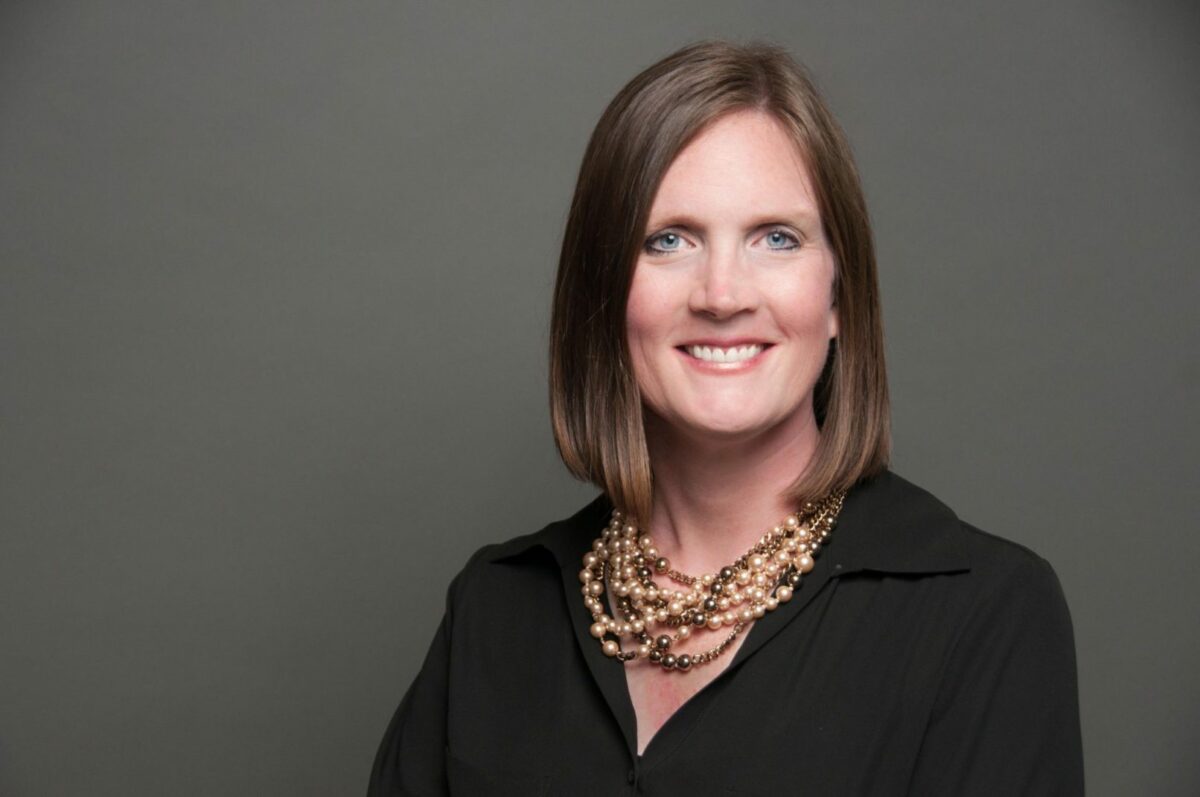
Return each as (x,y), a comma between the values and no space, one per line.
(658,694)
(823,684)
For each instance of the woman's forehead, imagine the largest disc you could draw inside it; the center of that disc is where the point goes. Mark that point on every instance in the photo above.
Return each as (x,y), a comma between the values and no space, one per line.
(744,164)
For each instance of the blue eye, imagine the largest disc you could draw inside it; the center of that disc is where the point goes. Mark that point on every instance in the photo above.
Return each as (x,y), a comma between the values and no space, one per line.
(664,242)
(781,240)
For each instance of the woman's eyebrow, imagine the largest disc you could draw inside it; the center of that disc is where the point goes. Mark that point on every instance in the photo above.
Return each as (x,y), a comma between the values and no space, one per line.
(805,216)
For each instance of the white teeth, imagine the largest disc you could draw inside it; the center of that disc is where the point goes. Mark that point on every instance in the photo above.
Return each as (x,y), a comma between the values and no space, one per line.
(734,355)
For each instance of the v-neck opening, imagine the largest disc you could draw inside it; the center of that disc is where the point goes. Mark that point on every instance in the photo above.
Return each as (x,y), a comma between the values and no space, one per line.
(759,633)
(685,705)
(614,686)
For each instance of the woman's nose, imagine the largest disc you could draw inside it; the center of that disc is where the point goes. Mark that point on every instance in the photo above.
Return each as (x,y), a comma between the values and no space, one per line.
(723,286)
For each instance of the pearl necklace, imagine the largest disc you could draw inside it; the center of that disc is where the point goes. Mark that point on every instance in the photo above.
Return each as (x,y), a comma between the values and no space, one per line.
(757,582)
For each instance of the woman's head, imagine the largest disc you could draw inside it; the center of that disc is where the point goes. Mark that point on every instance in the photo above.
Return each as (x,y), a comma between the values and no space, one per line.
(596,403)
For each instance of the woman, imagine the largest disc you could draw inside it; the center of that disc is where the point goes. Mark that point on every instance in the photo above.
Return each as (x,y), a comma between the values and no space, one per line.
(755,604)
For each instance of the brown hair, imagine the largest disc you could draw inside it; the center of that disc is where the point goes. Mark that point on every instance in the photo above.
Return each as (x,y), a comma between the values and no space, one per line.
(595,405)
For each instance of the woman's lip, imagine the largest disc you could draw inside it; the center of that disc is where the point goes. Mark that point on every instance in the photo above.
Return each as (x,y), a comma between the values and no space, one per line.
(729,343)
(711,366)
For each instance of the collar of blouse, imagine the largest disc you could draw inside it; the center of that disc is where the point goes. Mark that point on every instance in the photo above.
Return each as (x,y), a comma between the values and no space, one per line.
(887,525)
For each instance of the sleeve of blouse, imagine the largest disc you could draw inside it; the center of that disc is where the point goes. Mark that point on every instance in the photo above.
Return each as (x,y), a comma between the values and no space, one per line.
(1006,720)
(412,756)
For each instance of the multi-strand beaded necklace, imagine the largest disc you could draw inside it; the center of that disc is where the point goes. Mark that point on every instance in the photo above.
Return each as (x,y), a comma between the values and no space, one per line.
(657,618)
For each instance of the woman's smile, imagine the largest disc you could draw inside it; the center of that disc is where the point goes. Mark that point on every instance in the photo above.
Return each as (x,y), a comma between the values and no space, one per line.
(724,359)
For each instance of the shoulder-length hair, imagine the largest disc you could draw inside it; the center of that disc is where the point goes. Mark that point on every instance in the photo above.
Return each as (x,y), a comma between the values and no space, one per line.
(595,404)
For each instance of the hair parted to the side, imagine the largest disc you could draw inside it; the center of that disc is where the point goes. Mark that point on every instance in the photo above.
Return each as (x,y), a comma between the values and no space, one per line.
(595,405)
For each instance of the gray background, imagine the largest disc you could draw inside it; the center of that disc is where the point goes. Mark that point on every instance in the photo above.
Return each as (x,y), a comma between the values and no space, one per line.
(274,288)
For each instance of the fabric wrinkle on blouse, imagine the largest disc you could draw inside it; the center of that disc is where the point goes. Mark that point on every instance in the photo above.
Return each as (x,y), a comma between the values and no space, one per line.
(920,656)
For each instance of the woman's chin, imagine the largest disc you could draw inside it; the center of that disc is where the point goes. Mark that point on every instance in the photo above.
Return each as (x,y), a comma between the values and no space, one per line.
(726,429)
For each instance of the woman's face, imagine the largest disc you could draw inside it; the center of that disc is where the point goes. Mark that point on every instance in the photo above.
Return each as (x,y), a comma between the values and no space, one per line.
(731,308)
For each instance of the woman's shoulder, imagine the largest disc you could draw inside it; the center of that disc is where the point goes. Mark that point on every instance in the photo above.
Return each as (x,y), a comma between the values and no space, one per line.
(920,522)
(535,554)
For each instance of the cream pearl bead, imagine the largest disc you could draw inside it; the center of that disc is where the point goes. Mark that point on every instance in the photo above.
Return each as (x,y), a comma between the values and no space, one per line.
(598,629)
(784,594)
(759,611)
(684,631)
(746,615)
(771,603)
(804,563)
(715,621)
(756,562)
(611,648)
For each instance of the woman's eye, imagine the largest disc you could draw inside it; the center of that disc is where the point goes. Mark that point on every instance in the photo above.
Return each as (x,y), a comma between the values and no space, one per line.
(664,242)
(781,240)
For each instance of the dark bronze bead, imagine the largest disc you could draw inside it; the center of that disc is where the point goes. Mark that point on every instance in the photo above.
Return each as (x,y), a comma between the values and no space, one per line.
(793,579)
(643,573)
(684,662)
(663,642)
(668,661)
(655,655)
(660,564)
(726,573)
(717,588)
(710,604)
(699,618)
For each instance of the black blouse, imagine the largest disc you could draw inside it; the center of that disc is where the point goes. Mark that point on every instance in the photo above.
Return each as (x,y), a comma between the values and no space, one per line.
(920,656)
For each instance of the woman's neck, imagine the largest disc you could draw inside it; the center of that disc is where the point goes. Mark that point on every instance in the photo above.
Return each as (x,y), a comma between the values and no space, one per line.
(713,499)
